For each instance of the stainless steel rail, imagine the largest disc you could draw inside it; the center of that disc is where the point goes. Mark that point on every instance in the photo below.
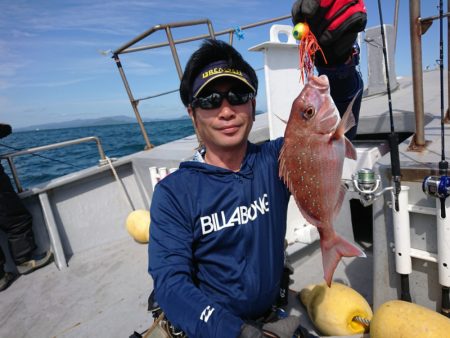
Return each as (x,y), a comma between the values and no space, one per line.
(9,157)
(128,48)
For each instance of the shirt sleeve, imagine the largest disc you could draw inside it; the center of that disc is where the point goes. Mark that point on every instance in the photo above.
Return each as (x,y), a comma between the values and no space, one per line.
(172,269)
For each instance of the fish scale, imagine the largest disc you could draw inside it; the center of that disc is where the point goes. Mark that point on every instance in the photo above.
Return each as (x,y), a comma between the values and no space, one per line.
(311,162)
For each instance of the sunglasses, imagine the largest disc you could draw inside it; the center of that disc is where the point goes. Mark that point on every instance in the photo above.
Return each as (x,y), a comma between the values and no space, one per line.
(214,99)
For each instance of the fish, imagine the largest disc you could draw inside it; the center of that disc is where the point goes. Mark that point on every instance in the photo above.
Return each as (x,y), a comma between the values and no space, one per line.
(311,162)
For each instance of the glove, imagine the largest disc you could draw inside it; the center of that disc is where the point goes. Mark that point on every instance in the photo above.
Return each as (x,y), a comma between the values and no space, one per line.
(5,130)
(283,328)
(335,23)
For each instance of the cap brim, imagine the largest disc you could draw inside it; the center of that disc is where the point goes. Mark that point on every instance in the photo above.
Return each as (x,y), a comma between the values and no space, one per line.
(212,78)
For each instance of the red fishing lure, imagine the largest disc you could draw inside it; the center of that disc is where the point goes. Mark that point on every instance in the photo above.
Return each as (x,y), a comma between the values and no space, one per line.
(307,47)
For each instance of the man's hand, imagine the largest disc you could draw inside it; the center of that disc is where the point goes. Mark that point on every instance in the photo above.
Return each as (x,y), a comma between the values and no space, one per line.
(5,130)
(284,328)
(335,23)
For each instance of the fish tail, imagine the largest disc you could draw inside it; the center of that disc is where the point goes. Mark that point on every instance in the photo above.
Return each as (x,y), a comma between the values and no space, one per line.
(331,255)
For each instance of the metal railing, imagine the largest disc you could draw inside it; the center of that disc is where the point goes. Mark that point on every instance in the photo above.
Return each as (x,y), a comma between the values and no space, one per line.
(9,157)
(418,27)
(128,48)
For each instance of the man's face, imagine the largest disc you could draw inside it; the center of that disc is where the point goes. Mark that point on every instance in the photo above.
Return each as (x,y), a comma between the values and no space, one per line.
(227,127)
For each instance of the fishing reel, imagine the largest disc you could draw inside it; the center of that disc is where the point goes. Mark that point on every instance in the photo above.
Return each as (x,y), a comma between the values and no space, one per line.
(366,183)
(436,186)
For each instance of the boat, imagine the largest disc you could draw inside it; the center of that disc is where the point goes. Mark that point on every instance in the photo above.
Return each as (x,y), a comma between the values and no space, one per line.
(98,284)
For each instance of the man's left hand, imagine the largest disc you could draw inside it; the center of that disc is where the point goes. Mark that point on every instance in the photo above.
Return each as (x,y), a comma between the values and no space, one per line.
(5,130)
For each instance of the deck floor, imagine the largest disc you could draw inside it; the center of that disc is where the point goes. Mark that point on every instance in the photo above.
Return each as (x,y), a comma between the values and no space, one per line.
(104,292)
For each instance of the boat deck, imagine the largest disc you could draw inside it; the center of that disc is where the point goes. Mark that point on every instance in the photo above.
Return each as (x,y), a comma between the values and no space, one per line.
(104,290)
(103,293)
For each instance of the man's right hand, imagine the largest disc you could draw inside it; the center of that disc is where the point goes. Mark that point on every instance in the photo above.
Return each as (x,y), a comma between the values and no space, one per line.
(5,130)
(335,24)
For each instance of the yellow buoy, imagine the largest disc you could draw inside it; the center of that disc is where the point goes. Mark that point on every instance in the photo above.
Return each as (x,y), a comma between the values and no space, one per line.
(334,310)
(138,225)
(397,318)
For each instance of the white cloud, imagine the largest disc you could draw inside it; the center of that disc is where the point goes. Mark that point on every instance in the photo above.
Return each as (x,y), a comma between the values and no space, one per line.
(52,84)
(10,69)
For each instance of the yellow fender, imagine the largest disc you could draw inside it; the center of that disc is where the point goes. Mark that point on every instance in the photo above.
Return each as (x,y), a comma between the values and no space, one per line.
(138,225)
(397,318)
(333,309)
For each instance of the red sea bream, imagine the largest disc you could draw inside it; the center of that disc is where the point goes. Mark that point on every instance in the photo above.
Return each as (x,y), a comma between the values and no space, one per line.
(311,163)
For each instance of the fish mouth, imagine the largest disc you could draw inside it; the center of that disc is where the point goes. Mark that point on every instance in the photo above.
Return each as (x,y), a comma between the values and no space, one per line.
(320,82)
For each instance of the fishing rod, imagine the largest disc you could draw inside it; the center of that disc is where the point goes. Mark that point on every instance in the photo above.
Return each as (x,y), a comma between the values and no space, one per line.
(439,188)
(394,153)
(392,137)
(443,164)
(41,156)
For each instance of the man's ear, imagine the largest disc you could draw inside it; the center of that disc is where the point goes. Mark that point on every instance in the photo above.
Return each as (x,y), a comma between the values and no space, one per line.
(191,112)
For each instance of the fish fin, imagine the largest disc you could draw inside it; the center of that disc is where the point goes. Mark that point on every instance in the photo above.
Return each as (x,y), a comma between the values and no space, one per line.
(282,173)
(331,255)
(338,206)
(282,120)
(348,120)
(350,151)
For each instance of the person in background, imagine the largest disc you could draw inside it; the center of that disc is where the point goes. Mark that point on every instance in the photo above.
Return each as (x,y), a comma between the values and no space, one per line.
(218,223)
(16,222)
(336,24)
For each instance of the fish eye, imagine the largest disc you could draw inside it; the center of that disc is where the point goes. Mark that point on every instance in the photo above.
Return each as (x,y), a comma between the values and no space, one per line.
(309,113)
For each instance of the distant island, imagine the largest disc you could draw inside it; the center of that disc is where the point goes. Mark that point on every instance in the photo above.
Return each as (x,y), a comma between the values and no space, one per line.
(102,121)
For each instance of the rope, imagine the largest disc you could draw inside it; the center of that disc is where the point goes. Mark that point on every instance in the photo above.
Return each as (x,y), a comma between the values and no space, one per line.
(155,323)
(127,196)
(363,321)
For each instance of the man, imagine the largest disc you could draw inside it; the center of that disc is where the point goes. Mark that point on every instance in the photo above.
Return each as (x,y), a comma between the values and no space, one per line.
(216,250)
(16,222)
(218,223)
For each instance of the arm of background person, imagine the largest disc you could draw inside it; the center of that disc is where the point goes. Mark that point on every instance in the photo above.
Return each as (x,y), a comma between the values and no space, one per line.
(5,130)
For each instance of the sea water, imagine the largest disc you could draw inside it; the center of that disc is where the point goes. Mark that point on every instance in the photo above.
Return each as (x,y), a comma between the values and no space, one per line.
(117,141)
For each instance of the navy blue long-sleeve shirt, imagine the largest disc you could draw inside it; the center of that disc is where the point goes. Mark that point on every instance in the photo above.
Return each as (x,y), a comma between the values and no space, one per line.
(216,249)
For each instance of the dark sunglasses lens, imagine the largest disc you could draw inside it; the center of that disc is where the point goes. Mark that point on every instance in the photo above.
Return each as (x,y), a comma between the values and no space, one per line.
(214,100)
(237,98)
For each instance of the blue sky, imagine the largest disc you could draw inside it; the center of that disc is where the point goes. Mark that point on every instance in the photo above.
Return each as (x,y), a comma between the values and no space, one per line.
(52,68)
